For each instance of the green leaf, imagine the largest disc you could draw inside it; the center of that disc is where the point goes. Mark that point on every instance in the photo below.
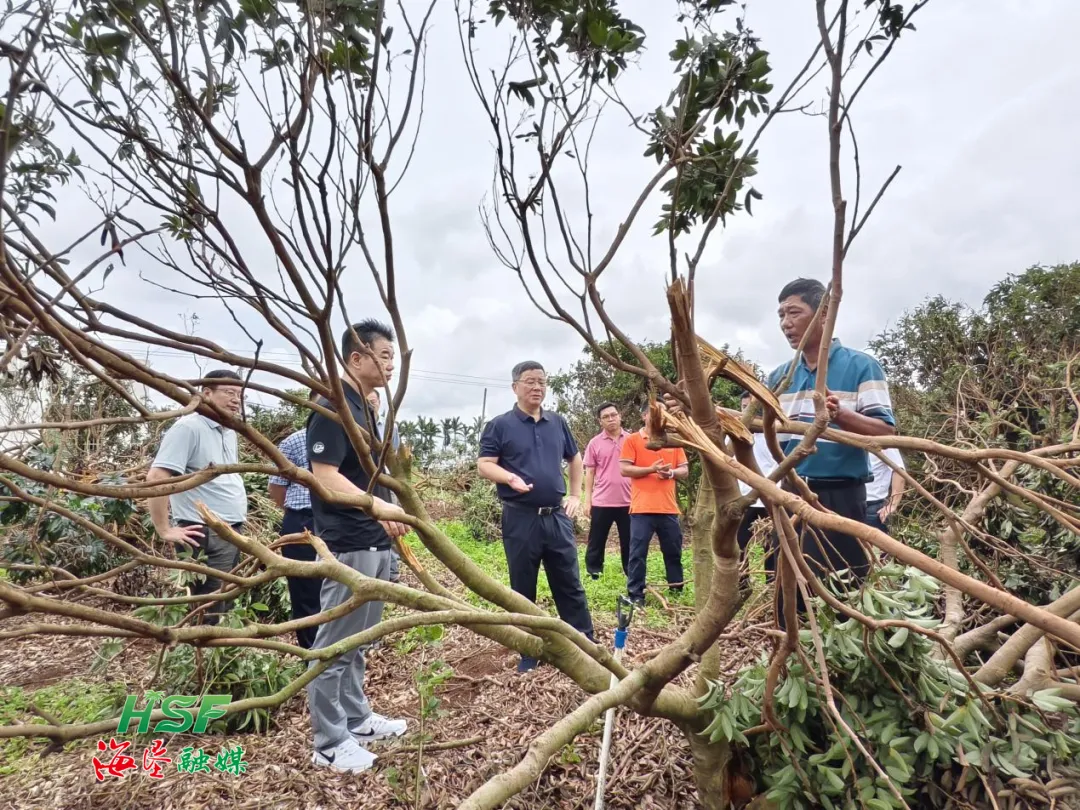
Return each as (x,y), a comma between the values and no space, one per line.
(1049,701)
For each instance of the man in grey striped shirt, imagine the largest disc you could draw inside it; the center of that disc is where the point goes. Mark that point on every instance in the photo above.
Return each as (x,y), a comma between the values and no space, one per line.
(193,443)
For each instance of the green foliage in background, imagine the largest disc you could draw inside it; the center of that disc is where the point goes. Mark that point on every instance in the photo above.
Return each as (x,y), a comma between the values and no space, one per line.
(994,376)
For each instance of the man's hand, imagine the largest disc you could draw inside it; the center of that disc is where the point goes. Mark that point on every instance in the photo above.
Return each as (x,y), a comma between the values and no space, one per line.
(886,511)
(394,529)
(832,404)
(571,505)
(672,404)
(183,535)
(516,483)
(661,468)
(586,508)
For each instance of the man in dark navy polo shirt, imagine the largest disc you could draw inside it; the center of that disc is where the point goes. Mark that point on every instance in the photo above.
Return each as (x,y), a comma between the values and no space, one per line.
(522,451)
(340,715)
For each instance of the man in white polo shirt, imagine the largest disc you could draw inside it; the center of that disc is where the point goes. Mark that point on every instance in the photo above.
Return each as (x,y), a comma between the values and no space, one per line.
(883,494)
(766,464)
(193,443)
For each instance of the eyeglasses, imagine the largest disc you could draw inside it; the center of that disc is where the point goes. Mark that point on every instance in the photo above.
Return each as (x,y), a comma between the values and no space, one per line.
(533,383)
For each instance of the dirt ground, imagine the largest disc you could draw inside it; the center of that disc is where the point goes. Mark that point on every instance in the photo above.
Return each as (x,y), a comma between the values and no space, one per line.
(487,716)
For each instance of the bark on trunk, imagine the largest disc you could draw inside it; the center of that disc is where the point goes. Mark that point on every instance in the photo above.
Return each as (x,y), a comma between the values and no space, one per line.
(710,771)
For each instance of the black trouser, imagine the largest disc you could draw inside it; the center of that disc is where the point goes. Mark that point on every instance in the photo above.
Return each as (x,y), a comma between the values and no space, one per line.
(872,519)
(602,519)
(642,529)
(303,591)
(217,553)
(827,551)
(531,538)
(744,535)
(746,528)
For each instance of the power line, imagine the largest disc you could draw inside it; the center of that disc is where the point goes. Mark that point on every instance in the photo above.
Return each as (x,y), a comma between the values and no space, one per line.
(288,358)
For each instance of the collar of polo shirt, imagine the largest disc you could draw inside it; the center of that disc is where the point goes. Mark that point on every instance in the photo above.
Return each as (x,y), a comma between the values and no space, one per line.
(212,423)
(833,346)
(524,417)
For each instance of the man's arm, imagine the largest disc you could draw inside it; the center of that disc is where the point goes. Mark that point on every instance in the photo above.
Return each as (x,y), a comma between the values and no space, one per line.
(326,449)
(682,467)
(488,467)
(896,487)
(488,462)
(854,422)
(873,414)
(330,477)
(590,479)
(159,513)
(629,470)
(573,498)
(277,494)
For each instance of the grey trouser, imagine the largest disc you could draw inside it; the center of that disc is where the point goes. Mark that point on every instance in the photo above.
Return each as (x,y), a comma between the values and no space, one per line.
(336,697)
(221,555)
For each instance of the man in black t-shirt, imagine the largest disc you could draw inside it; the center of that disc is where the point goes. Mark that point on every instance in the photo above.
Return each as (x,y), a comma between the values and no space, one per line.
(340,715)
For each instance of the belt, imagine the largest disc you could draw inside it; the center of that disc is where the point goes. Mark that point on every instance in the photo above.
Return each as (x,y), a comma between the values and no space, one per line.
(833,483)
(536,510)
(237,526)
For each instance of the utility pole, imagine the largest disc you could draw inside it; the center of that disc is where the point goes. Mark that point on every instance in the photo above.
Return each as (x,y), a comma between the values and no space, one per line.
(483,409)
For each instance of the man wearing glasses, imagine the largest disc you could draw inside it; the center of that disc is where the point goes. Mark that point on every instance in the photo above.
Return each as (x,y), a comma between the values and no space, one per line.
(523,451)
(193,443)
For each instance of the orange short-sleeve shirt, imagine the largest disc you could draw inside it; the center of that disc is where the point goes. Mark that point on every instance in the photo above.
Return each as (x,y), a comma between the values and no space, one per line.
(651,495)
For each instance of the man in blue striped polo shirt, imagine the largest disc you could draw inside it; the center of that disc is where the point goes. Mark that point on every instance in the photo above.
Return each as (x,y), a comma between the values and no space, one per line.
(857,399)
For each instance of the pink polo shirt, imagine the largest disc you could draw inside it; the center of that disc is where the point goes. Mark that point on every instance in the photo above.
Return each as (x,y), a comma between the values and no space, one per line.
(610,488)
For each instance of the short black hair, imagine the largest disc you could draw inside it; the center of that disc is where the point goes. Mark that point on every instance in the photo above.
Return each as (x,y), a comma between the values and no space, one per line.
(522,367)
(810,290)
(363,332)
(226,375)
(604,406)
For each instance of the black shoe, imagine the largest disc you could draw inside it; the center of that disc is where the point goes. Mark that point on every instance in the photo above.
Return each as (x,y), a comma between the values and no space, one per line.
(594,576)
(638,601)
(675,589)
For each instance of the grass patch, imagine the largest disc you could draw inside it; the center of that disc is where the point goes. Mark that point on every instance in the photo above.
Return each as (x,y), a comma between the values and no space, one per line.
(73,701)
(602,593)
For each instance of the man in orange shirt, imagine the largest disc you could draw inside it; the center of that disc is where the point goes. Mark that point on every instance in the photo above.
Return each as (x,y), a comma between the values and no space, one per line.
(653,508)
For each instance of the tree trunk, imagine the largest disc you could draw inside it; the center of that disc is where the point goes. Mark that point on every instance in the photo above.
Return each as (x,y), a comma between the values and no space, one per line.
(710,771)
(699,527)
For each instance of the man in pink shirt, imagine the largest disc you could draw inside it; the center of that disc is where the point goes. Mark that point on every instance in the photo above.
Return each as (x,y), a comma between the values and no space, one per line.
(607,492)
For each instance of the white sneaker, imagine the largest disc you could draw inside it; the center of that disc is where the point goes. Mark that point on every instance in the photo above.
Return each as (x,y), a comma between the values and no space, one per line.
(346,757)
(376,728)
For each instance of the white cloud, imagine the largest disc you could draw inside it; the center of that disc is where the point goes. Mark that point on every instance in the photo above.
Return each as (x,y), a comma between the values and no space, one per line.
(986,138)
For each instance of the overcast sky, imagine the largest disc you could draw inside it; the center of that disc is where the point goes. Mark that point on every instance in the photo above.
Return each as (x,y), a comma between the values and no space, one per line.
(975,105)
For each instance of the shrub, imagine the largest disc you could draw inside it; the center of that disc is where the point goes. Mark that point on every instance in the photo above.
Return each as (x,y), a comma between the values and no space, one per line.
(70,701)
(481,511)
(939,743)
(242,672)
(44,538)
